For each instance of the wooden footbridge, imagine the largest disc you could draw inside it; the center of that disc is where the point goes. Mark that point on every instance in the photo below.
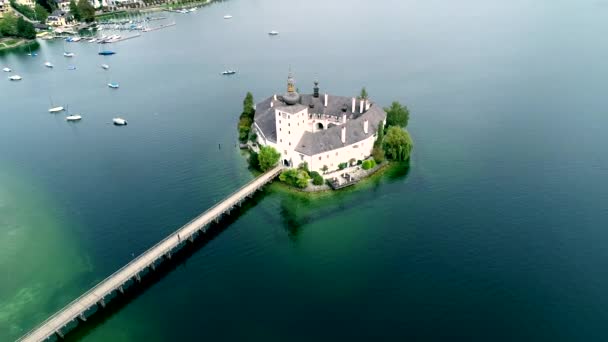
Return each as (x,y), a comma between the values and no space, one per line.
(100,293)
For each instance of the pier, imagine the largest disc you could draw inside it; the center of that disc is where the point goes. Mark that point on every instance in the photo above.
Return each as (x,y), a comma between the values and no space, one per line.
(100,294)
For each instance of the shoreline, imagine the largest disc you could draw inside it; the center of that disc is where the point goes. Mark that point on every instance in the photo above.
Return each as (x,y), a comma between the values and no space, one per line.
(17,43)
(154,8)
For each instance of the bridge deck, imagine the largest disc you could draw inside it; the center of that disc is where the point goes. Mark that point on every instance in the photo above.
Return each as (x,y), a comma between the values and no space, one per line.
(137,265)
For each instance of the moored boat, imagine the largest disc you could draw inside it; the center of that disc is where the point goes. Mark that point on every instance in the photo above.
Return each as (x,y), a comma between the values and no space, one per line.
(68,54)
(56,109)
(228,72)
(227,16)
(75,117)
(7,70)
(113,85)
(48,64)
(106,53)
(105,66)
(273,33)
(15,78)
(119,122)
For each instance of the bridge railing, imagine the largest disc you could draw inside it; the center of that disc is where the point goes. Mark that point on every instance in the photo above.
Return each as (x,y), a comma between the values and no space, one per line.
(270,173)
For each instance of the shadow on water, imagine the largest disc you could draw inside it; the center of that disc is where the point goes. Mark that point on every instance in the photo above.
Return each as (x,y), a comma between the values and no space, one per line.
(149,279)
(299,208)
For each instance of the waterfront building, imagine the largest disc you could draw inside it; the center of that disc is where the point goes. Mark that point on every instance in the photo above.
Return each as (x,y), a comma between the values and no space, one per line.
(30,3)
(57,18)
(322,130)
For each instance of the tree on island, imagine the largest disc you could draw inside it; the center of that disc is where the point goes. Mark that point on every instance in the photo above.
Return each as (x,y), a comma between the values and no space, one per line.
(246,119)
(397,115)
(268,157)
(398,144)
(11,26)
(25,29)
(295,177)
(324,168)
(363,95)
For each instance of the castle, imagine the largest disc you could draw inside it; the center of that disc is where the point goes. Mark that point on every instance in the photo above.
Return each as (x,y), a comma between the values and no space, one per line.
(322,130)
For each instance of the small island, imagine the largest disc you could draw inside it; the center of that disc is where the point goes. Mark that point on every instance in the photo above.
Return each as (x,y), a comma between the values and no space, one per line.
(324,141)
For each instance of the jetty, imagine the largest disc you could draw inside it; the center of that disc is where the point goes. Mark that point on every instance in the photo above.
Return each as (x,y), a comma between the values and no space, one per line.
(150,29)
(115,284)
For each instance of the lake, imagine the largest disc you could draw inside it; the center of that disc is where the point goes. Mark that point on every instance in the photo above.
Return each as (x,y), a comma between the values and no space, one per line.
(497,231)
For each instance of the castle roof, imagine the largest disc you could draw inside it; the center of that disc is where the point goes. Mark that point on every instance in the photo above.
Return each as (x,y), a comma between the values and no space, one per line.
(331,138)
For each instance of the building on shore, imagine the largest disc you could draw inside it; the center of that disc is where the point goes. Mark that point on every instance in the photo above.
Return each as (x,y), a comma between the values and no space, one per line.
(322,130)
(57,18)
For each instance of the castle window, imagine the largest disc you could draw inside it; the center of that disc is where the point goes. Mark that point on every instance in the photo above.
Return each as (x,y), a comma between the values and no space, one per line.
(319,158)
(279,121)
(280,129)
(336,153)
(290,144)
(280,140)
(288,132)
(288,124)
(301,157)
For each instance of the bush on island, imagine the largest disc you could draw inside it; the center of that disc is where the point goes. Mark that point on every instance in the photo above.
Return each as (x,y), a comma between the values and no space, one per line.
(254,162)
(368,164)
(268,157)
(303,166)
(295,177)
(342,166)
(317,179)
(378,155)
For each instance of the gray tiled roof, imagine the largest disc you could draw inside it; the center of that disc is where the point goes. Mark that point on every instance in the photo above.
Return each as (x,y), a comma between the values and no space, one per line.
(331,138)
(325,140)
(264,118)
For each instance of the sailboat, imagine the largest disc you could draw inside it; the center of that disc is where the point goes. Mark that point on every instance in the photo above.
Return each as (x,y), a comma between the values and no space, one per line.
(54,109)
(48,64)
(105,66)
(7,70)
(119,122)
(74,117)
(15,78)
(113,85)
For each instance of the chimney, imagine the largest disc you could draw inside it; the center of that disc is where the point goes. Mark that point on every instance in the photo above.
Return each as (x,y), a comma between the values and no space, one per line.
(326,96)
(361,106)
(354,105)
(367,104)
(343,118)
(271,104)
(365,126)
(275,97)
(316,89)
(344,135)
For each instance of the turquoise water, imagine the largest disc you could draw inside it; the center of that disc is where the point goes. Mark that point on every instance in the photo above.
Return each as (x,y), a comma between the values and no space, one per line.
(496,231)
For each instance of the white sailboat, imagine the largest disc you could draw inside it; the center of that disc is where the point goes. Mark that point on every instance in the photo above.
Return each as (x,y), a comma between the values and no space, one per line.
(7,69)
(74,117)
(48,64)
(56,109)
(119,122)
(15,78)
(227,16)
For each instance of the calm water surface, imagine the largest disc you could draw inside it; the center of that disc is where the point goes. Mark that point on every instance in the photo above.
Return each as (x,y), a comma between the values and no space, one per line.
(496,232)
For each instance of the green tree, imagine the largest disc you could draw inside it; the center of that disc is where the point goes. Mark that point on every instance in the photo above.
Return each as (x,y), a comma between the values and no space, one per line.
(398,144)
(397,115)
(75,11)
(380,134)
(48,5)
(248,105)
(86,11)
(268,157)
(378,154)
(25,29)
(41,13)
(363,94)
(8,25)
(324,168)
(303,166)
(295,177)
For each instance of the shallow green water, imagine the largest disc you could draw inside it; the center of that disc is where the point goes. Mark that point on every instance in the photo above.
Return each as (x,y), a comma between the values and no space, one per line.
(496,232)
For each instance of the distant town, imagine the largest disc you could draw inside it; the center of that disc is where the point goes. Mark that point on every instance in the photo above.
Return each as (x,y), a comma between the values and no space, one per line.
(21,21)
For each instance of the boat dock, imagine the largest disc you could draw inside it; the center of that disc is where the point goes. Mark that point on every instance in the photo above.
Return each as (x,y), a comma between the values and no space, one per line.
(157,28)
(95,299)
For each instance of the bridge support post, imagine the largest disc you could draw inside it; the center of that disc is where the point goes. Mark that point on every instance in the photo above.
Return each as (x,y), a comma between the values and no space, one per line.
(82,318)
(153,266)
(102,303)
(168,255)
(121,289)
(191,238)
(138,277)
(59,333)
